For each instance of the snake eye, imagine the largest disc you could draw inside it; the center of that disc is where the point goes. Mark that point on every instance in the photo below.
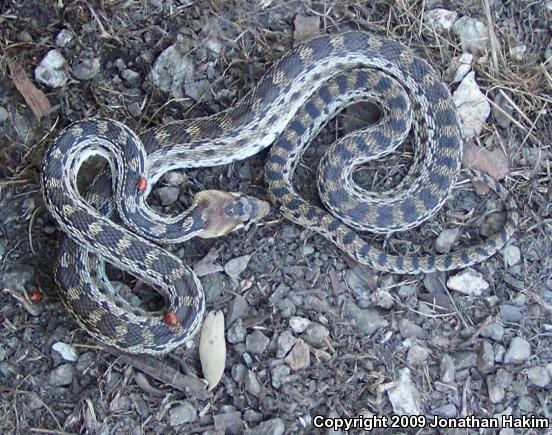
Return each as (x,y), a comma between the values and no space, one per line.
(142,184)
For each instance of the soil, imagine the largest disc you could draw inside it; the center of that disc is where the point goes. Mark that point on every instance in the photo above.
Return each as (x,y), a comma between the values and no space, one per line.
(375,344)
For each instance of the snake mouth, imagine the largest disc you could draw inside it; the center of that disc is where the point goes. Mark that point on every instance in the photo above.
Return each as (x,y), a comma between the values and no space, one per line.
(224,212)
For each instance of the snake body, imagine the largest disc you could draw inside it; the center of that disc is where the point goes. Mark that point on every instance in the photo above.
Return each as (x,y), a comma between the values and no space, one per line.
(287,108)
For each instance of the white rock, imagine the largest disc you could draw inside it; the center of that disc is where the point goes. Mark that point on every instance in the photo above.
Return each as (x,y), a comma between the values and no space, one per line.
(298,324)
(50,71)
(512,255)
(440,20)
(472,107)
(518,52)
(236,266)
(473,34)
(469,281)
(171,70)
(67,352)
(63,38)
(404,397)
(464,67)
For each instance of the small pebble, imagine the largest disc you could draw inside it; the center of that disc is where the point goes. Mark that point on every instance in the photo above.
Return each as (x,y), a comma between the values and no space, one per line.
(4,115)
(298,324)
(518,351)
(538,375)
(299,357)
(512,255)
(168,195)
(67,352)
(275,426)
(256,342)
(237,332)
(63,38)
(50,71)
(404,397)
(62,375)
(86,69)
(469,281)
(285,342)
(235,267)
(446,239)
(185,413)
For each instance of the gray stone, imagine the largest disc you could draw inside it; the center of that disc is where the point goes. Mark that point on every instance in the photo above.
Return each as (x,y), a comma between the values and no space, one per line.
(62,375)
(469,282)
(445,240)
(518,351)
(447,370)
(409,329)
(526,404)
(299,357)
(67,352)
(285,342)
(51,70)
(252,384)
(440,20)
(449,411)
(417,355)
(383,299)
(493,330)
(368,320)
(238,309)
(510,313)
(279,375)
(298,324)
(168,194)
(256,342)
(538,375)
(486,359)
(473,34)
(172,69)
(237,332)
(404,397)
(316,335)
(63,38)
(235,267)
(4,115)
(407,291)
(199,90)
(130,76)
(512,255)
(275,426)
(185,413)
(86,69)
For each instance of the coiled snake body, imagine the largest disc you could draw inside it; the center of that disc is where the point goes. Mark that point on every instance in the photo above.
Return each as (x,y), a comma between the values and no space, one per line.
(287,108)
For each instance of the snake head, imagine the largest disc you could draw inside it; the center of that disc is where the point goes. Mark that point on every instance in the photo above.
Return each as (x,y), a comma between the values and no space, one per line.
(224,212)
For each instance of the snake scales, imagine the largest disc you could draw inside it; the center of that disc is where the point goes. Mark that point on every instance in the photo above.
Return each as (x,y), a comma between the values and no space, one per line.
(286,109)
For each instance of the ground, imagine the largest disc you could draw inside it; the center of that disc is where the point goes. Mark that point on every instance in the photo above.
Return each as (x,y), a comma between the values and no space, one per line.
(374,343)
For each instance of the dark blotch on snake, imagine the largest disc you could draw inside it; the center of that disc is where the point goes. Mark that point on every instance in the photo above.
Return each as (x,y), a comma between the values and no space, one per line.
(384,217)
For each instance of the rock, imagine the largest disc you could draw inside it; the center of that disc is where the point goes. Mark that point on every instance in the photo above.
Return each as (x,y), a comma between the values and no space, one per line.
(538,375)
(4,115)
(409,329)
(285,342)
(486,360)
(214,46)
(62,375)
(502,111)
(440,20)
(518,52)
(472,107)
(51,70)
(526,404)
(510,313)
(512,255)
(252,384)
(446,239)
(496,392)
(494,331)
(236,333)
(256,342)
(238,309)
(130,76)
(446,369)
(86,69)
(18,276)
(279,375)
(298,324)
(383,299)
(448,411)
(473,34)
(228,422)
(407,291)
(464,67)
(367,320)
(270,427)
(417,355)
(172,69)
(465,360)
(181,414)
(316,335)
(235,267)
(518,351)
(404,397)
(199,90)
(63,38)
(67,352)
(299,357)
(168,195)
(469,281)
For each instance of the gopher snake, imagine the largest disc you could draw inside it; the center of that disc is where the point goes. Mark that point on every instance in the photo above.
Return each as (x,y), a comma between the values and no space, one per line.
(287,108)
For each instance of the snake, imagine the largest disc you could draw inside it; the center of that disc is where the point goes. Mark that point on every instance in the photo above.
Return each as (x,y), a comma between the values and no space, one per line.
(112,221)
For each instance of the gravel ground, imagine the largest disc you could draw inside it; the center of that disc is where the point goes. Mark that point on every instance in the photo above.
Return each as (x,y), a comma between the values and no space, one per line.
(309,331)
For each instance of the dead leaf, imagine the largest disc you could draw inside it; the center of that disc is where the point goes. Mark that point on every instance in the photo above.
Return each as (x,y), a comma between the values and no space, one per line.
(493,163)
(305,28)
(212,348)
(34,97)
(207,264)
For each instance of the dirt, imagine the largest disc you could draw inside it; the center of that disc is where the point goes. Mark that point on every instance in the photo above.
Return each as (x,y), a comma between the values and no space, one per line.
(376,344)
